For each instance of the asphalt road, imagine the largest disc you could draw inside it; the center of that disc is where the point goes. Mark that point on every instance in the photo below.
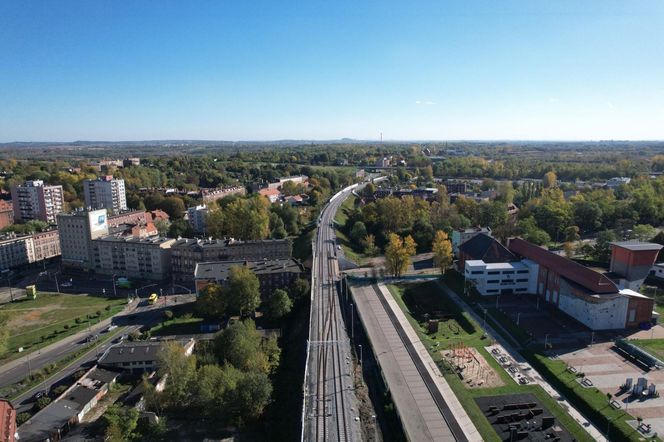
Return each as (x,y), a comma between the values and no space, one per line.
(128,321)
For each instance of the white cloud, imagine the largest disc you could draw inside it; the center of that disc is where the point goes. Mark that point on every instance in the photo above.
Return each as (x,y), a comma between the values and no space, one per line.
(425,102)
(553,100)
(610,105)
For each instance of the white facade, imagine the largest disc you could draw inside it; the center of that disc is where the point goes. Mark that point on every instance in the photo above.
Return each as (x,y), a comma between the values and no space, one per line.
(658,270)
(605,313)
(105,193)
(196,217)
(77,230)
(501,278)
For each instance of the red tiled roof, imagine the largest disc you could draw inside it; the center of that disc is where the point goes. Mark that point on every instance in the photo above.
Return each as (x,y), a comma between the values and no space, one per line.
(5,206)
(7,421)
(575,272)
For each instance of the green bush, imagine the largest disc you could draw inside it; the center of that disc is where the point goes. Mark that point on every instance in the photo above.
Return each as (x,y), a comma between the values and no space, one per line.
(22,418)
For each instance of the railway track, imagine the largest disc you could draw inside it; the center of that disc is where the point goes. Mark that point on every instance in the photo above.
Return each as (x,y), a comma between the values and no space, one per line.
(329,398)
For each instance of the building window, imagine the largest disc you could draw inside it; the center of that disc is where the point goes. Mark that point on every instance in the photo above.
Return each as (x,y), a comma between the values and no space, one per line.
(476,272)
(493,273)
(521,280)
(493,281)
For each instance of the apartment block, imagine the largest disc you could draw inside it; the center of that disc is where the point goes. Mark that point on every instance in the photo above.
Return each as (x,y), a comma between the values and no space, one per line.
(105,193)
(196,217)
(35,201)
(131,257)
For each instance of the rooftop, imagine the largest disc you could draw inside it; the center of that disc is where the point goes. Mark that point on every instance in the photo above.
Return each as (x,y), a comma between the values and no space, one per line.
(517,265)
(485,248)
(583,276)
(131,352)
(221,270)
(637,246)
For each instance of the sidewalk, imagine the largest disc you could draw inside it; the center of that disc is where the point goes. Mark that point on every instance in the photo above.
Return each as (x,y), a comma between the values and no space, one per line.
(573,412)
(443,387)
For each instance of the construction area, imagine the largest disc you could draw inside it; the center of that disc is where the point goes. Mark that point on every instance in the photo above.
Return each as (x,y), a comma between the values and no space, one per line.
(471,367)
(517,417)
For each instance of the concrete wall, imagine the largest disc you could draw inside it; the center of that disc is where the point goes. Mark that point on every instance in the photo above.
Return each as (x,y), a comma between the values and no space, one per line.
(606,315)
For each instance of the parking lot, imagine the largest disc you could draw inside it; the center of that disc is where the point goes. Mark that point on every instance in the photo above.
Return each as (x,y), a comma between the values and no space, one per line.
(545,323)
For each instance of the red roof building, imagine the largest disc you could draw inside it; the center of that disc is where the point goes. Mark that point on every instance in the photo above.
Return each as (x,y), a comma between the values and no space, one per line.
(590,297)
(8,421)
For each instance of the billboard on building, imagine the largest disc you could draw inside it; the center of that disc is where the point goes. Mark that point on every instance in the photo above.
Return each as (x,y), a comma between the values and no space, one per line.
(98,223)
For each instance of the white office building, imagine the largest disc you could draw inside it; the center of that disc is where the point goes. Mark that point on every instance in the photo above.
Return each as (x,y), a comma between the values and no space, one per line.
(105,193)
(502,277)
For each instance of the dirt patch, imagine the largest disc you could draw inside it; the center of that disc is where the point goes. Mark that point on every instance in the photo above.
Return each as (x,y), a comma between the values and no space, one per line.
(24,319)
(472,368)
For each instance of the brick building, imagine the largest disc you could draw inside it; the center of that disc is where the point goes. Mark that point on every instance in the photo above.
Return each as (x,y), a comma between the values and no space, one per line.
(186,253)
(272,274)
(6,214)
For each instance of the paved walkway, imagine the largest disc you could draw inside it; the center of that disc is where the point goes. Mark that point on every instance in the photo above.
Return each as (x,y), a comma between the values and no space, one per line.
(422,402)
(524,365)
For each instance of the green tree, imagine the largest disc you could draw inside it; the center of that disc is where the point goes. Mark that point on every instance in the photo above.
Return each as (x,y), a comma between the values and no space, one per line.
(120,423)
(643,232)
(370,247)
(572,234)
(587,215)
(531,232)
(442,251)
(357,234)
(248,219)
(549,180)
(212,302)
(240,345)
(398,253)
(4,334)
(277,229)
(299,289)
(251,395)
(278,305)
(215,224)
(181,371)
(173,206)
(602,249)
(243,290)
(180,228)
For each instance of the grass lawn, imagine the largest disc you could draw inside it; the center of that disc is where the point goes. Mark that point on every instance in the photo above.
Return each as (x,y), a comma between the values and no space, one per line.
(36,323)
(653,346)
(589,401)
(657,294)
(458,326)
(177,326)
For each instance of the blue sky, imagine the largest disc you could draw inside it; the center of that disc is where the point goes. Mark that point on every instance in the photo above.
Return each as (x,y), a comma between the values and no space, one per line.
(134,70)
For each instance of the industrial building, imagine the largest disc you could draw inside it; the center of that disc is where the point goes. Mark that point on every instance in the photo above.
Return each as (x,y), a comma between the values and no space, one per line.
(600,301)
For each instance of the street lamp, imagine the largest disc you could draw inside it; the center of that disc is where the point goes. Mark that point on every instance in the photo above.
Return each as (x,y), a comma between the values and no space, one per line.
(352,321)
(11,293)
(373,416)
(546,340)
(57,286)
(115,289)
